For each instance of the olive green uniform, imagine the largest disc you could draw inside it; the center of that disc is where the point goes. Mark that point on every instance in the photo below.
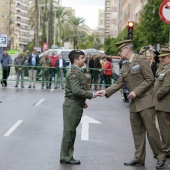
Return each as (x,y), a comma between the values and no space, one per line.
(75,96)
(139,77)
(162,90)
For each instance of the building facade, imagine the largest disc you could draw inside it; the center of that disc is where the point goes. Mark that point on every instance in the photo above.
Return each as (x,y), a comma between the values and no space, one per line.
(5,18)
(129,10)
(111,18)
(19,28)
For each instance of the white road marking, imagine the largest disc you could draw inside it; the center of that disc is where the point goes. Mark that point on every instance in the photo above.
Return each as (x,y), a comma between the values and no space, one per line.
(86,120)
(51,90)
(13,128)
(38,103)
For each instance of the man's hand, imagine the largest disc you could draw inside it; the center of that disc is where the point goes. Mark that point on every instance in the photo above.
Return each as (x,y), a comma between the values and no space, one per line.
(132,95)
(101,93)
(85,105)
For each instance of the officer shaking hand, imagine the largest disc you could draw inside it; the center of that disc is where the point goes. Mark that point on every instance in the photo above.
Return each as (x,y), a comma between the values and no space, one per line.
(76,94)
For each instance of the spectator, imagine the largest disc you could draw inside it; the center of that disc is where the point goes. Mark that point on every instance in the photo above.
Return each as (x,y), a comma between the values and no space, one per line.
(102,62)
(87,71)
(61,70)
(6,65)
(108,72)
(33,62)
(53,58)
(91,68)
(97,67)
(150,59)
(19,63)
(45,62)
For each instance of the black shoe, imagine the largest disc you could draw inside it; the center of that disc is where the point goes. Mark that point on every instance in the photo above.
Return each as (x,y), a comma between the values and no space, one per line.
(22,86)
(167,156)
(29,87)
(134,163)
(16,86)
(34,87)
(3,85)
(55,87)
(72,162)
(154,156)
(160,164)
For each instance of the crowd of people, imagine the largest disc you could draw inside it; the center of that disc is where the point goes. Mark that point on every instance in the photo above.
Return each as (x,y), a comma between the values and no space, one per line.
(98,69)
(51,67)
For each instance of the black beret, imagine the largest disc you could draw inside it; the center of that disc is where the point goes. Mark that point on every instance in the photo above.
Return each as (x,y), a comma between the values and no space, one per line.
(76,52)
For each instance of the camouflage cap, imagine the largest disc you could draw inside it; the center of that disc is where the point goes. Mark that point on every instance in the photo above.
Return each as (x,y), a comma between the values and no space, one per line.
(164,52)
(122,44)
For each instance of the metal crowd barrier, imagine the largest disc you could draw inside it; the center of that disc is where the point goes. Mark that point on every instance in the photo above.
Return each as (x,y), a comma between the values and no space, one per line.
(95,77)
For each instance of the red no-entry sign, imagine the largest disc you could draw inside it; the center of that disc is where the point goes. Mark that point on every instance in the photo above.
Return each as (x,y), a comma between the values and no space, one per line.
(164,11)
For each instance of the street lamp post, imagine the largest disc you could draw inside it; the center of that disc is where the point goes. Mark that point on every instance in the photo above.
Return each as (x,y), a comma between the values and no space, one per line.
(54,25)
(47,31)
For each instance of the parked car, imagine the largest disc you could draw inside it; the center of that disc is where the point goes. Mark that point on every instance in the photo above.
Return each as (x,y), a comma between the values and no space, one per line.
(64,53)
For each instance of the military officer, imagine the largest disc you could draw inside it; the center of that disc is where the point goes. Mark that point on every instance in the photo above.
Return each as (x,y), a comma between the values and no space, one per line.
(75,96)
(138,75)
(162,90)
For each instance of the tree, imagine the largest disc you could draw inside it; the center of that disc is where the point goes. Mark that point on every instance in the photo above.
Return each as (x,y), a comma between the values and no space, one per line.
(151,24)
(62,25)
(50,22)
(36,24)
(109,44)
(76,27)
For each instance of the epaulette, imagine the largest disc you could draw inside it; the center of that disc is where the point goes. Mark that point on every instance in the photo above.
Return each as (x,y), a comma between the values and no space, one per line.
(73,70)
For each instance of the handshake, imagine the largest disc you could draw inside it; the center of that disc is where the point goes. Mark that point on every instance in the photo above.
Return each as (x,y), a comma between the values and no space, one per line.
(100,93)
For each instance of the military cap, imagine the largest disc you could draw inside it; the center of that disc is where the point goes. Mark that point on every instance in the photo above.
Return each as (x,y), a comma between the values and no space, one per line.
(76,52)
(122,44)
(164,52)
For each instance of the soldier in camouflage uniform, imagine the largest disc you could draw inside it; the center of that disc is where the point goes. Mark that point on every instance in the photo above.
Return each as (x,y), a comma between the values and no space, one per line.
(75,96)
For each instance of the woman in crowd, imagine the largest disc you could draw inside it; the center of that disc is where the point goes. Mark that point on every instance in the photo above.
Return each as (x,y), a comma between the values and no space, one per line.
(108,71)
(150,59)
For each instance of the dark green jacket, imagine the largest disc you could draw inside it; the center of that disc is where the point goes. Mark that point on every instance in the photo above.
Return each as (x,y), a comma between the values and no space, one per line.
(76,86)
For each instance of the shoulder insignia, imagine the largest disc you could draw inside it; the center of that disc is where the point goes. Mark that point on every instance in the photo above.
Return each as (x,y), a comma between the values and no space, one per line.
(73,70)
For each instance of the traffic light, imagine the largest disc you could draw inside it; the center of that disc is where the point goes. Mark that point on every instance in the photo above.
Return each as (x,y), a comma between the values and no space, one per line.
(83,37)
(130,29)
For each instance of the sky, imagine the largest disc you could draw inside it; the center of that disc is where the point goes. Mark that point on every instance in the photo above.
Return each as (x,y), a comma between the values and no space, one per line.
(87,9)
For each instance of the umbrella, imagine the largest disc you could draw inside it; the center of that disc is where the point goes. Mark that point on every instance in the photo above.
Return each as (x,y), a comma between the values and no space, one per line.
(92,51)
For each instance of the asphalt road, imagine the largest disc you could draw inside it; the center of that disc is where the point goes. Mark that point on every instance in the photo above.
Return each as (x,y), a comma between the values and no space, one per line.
(31,131)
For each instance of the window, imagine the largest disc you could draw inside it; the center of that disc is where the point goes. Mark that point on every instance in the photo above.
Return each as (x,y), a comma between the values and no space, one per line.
(108,3)
(3,3)
(101,22)
(107,15)
(108,9)
(115,15)
(107,21)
